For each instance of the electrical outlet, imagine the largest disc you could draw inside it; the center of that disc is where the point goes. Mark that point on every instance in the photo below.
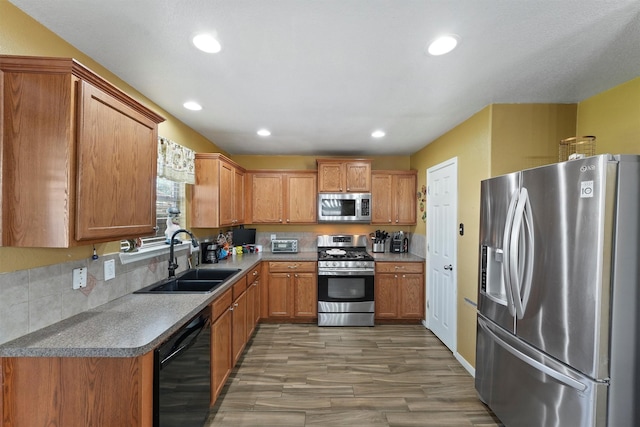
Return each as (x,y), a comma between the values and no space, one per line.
(273,237)
(109,269)
(79,277)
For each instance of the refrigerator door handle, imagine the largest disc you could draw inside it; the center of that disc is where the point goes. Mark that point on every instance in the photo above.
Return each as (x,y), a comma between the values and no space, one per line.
(530,248)
(506,266)
(521,273)
(559,376)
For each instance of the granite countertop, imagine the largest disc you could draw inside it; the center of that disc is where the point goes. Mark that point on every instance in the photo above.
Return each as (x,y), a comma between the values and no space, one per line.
(396,257)
(135,324)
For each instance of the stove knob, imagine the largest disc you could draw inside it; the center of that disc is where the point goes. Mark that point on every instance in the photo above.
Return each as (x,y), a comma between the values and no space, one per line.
(334,264)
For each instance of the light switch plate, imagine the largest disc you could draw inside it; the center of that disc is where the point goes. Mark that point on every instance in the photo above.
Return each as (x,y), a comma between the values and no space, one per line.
(109,269)
(79,277)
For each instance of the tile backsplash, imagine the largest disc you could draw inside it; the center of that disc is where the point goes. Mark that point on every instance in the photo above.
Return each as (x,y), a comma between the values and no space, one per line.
(39,297)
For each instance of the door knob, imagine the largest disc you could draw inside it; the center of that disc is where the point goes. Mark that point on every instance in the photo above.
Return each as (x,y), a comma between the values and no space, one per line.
(448,267)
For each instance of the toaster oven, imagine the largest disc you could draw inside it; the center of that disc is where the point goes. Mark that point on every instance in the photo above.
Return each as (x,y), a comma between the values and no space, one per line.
(284,246)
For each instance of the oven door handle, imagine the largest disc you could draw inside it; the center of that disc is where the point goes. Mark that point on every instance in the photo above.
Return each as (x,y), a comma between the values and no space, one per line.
(345,272)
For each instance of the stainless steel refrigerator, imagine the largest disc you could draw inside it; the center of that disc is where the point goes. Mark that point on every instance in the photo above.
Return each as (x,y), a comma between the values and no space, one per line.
(559,295)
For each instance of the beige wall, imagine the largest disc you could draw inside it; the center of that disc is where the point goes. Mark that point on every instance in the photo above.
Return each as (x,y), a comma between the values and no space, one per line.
(613,117)
(470,143)
(499,139)
(22,35)
(309,162)
(527,135)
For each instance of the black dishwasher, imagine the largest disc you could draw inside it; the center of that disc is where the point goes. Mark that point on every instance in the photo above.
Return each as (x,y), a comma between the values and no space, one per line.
(182,380)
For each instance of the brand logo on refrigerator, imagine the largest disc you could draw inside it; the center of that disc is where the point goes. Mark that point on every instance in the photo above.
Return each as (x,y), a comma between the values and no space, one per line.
(586,189)
(587,168)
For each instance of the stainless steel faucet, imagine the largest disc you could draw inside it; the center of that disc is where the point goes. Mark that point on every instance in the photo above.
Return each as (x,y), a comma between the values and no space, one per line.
(173,262)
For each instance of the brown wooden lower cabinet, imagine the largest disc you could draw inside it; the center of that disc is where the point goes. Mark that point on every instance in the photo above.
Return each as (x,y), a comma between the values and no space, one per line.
(221,362)
(399,291)
(239,321)
(77,391)
(292,290)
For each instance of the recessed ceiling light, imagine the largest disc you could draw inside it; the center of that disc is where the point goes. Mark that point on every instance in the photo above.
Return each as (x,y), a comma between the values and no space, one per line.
(442,45)
(191,105)
(207,43)
(264,132)
(378,134)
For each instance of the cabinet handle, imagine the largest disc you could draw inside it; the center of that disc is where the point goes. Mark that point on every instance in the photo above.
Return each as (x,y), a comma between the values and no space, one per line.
(255,273)
(156,228)
(231,308)
(288,275)
(280,220)
(295,275)
(397,267)
(404,275)
(235,304)
(293,266)
(389,220)
(287,219)
(395,276)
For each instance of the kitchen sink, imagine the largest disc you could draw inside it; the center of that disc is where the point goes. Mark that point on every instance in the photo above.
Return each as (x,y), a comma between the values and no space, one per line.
(199,280)
(208,273)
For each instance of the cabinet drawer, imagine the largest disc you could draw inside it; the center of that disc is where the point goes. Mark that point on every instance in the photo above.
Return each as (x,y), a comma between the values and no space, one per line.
(253,275)
(398,267)
(286,267)
(221,304)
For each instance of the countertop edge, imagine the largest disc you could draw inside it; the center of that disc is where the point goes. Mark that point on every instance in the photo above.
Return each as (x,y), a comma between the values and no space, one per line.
(50,341)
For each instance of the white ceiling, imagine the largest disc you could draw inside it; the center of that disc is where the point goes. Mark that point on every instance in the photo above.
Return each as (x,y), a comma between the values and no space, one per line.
(322,75)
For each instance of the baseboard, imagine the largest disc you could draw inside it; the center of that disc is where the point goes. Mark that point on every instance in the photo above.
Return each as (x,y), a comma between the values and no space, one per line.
(466,365)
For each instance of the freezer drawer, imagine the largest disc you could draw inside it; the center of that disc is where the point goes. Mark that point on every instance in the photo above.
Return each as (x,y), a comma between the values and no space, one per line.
(526,388)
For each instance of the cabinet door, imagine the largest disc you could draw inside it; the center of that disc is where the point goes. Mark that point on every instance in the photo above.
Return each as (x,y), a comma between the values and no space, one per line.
(331,177)
(386,296)
(227,173)
(358,177)
(305,289)
(381,199)
(301,198)
(238,197)
(251,301)
(405,199)
(411,301)
(221,362)
(279,295)
(238,326)
(266,196)
(116,161)
(34,214)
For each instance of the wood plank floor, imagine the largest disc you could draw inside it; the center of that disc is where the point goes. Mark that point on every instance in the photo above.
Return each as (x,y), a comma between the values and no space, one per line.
(303,375)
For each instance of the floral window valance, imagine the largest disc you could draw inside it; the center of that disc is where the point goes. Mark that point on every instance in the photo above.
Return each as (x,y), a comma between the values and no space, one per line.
(175,162)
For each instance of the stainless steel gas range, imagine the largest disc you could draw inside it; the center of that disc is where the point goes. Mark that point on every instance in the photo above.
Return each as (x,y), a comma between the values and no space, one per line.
(345,281)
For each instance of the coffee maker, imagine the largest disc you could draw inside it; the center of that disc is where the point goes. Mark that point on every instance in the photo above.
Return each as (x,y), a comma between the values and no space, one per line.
(209,251)
(399,243)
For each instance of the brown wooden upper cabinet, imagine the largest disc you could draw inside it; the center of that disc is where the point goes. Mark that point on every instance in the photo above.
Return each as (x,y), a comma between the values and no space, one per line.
(393,195)
(218,195)
(344,176)
(78,156)
(282,197)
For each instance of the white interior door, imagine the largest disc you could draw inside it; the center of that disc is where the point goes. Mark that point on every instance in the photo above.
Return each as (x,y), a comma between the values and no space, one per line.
(442,219)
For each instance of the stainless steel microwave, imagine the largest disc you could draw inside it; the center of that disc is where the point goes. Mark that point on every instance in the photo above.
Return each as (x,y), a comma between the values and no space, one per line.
(344,207)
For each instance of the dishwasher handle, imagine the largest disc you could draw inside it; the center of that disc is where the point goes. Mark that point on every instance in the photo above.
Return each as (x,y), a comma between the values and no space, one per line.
(186,338)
